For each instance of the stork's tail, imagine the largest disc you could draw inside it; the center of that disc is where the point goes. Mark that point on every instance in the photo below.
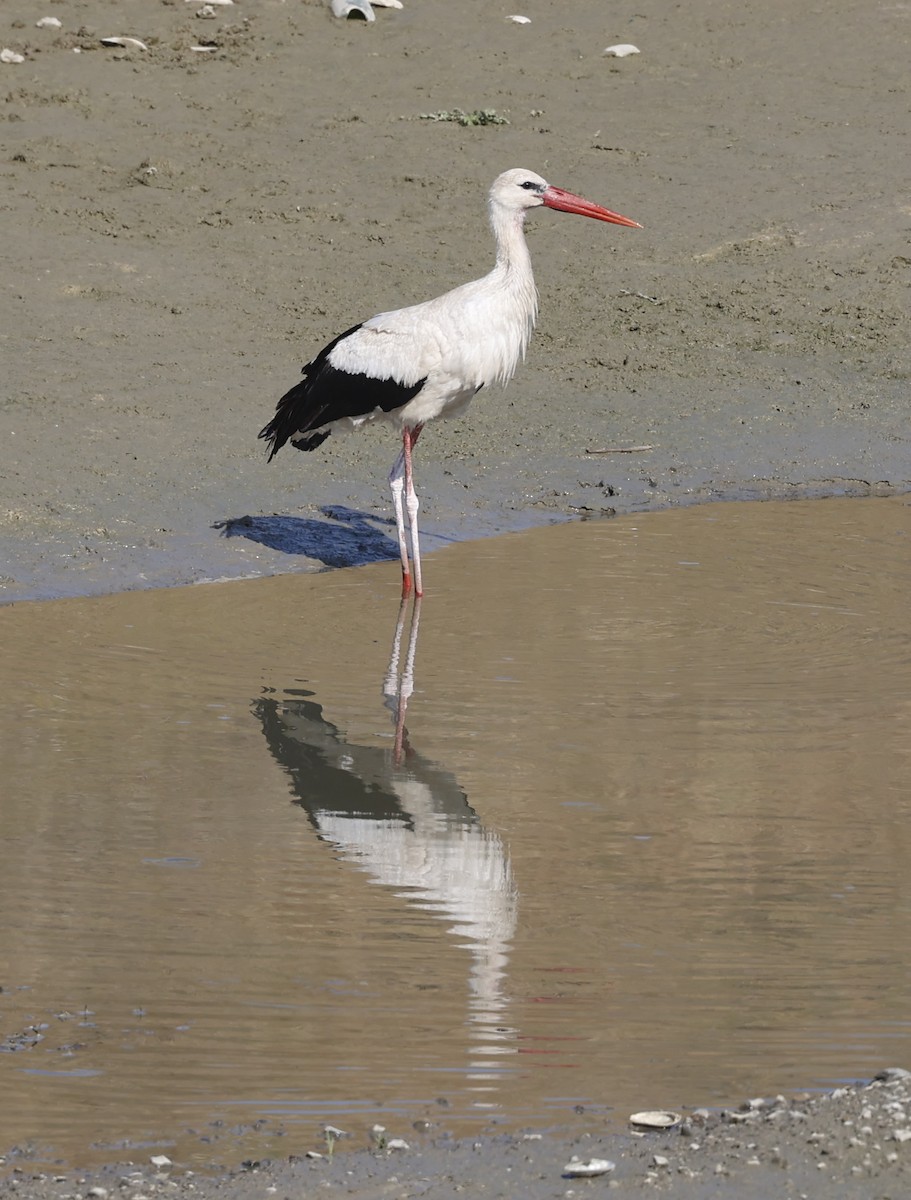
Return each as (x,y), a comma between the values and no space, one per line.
(304,407)
(288,419)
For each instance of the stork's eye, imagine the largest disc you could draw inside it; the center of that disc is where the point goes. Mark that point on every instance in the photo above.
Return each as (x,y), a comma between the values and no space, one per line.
(529,185)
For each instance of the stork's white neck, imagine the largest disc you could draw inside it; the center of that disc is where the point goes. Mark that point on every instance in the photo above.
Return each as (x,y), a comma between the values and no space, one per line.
(510,287)
(508,225)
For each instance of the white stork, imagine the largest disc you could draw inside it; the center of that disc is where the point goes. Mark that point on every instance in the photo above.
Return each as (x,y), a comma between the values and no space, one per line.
(429,359)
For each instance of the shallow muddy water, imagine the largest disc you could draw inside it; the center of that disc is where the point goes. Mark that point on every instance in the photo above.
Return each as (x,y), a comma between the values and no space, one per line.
(639,840)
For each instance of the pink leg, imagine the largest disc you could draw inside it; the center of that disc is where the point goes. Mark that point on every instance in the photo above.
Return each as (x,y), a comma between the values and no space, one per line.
(409,440)
(397,484)
(402,485)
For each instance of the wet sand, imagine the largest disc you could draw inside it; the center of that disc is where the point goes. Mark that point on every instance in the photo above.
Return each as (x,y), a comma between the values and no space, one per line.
(851,1144)
(186,229)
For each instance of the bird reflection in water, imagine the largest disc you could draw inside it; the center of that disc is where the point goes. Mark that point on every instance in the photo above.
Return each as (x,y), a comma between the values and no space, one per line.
(398,683)
(406,822)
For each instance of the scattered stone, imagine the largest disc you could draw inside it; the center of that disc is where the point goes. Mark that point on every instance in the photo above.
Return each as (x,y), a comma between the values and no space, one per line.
(738,1118)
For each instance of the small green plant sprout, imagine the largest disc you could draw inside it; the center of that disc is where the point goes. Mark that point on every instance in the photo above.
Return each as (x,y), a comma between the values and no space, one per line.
(332,1134)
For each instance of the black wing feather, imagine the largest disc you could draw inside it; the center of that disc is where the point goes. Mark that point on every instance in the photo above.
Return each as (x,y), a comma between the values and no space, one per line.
(326,394)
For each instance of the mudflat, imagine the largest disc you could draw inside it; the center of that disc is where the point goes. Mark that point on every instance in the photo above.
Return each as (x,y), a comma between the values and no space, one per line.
(187,224)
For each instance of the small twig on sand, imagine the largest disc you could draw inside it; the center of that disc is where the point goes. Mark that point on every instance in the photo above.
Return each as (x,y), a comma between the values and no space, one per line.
(641,296)
(621,450)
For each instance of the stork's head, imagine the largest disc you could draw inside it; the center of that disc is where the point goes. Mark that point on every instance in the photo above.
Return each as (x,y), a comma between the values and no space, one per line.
(519,190)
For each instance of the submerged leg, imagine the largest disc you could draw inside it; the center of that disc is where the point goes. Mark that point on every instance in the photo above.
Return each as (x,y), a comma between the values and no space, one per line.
(406,686)
(409,439)
(398,683)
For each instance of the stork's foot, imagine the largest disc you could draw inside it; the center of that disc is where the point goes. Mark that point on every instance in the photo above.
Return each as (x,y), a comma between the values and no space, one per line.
(408,587)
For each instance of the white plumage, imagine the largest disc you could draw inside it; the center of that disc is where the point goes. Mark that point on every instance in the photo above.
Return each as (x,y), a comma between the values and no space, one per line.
(428,360)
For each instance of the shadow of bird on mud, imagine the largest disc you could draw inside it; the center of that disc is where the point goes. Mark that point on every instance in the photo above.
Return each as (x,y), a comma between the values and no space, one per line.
(347,538)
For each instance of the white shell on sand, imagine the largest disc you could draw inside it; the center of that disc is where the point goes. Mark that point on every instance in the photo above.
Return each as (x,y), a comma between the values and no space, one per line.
(129,43)
(587,1170)
(49,23)
(657,1119)
(353,8)
(519,20)
(622,49)
(11,56)
(361,8)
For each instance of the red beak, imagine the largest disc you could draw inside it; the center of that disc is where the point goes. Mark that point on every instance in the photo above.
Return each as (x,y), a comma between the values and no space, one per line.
(555,197)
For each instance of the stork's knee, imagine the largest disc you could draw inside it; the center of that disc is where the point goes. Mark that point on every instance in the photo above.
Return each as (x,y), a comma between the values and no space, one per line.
(413,504)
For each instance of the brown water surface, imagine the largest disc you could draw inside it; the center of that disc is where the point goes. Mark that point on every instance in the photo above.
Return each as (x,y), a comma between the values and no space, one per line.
(647,843)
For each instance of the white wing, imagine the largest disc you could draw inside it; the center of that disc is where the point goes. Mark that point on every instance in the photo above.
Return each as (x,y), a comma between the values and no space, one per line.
(404,345)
